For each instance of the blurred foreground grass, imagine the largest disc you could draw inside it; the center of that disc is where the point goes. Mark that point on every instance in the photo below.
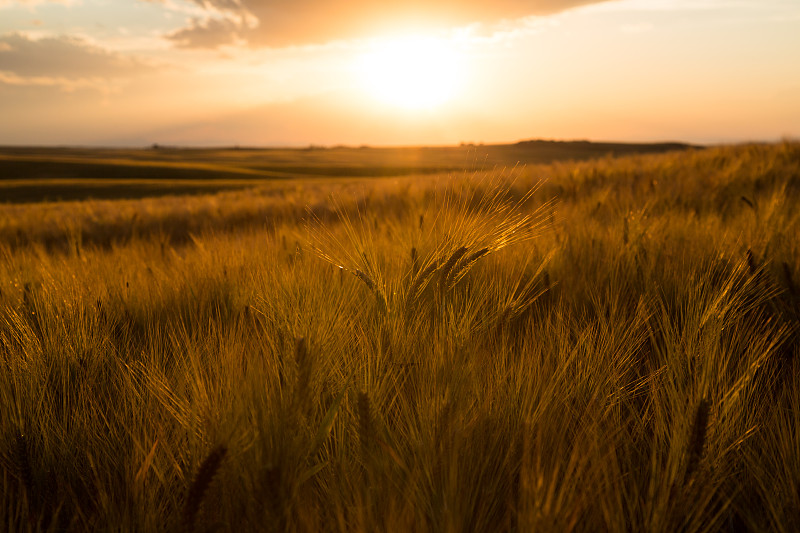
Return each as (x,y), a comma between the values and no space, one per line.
(612,349)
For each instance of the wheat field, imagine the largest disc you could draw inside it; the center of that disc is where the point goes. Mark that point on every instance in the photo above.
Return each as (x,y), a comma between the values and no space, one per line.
(605,345)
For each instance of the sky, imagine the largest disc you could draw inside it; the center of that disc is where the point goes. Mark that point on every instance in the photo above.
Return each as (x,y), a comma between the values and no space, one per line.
(396,72)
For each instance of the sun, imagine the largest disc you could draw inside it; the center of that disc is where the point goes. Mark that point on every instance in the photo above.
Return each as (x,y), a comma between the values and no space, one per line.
(412,73)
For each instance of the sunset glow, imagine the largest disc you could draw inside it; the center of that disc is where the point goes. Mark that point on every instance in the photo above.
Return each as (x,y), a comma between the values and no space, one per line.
(262,72)
(412,72)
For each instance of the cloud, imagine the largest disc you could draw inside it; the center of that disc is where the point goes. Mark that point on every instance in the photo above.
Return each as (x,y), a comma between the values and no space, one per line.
(62,58)
(209,33)
(60,82)
(65,64)
(32,3)
(279,23)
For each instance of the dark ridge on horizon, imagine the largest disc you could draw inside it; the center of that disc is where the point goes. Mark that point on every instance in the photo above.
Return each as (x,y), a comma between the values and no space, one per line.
(677,145)
(34,174)
(585,143)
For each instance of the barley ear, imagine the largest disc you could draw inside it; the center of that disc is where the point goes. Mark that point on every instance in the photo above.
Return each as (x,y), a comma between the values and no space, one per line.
(365,278)
(198,488)
(450,263)
(303,361)
(697,439)
(419,283)
(365,424)
(383,305)
(749,203)
(271,481)
(751,262)
(625,230)
(464,266)
(787,273)
(23,461)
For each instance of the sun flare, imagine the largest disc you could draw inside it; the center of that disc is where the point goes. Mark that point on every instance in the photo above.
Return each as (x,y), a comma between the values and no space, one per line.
(411,72)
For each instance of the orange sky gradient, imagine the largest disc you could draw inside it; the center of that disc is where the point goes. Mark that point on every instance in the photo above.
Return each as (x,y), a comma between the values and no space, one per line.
(396,72)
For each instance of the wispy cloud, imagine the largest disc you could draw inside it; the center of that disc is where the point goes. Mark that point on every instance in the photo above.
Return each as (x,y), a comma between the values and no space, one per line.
(275,23)
(61,83)
(31,3)
(64,57)
(64,63)
(208,33)
(678,5)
